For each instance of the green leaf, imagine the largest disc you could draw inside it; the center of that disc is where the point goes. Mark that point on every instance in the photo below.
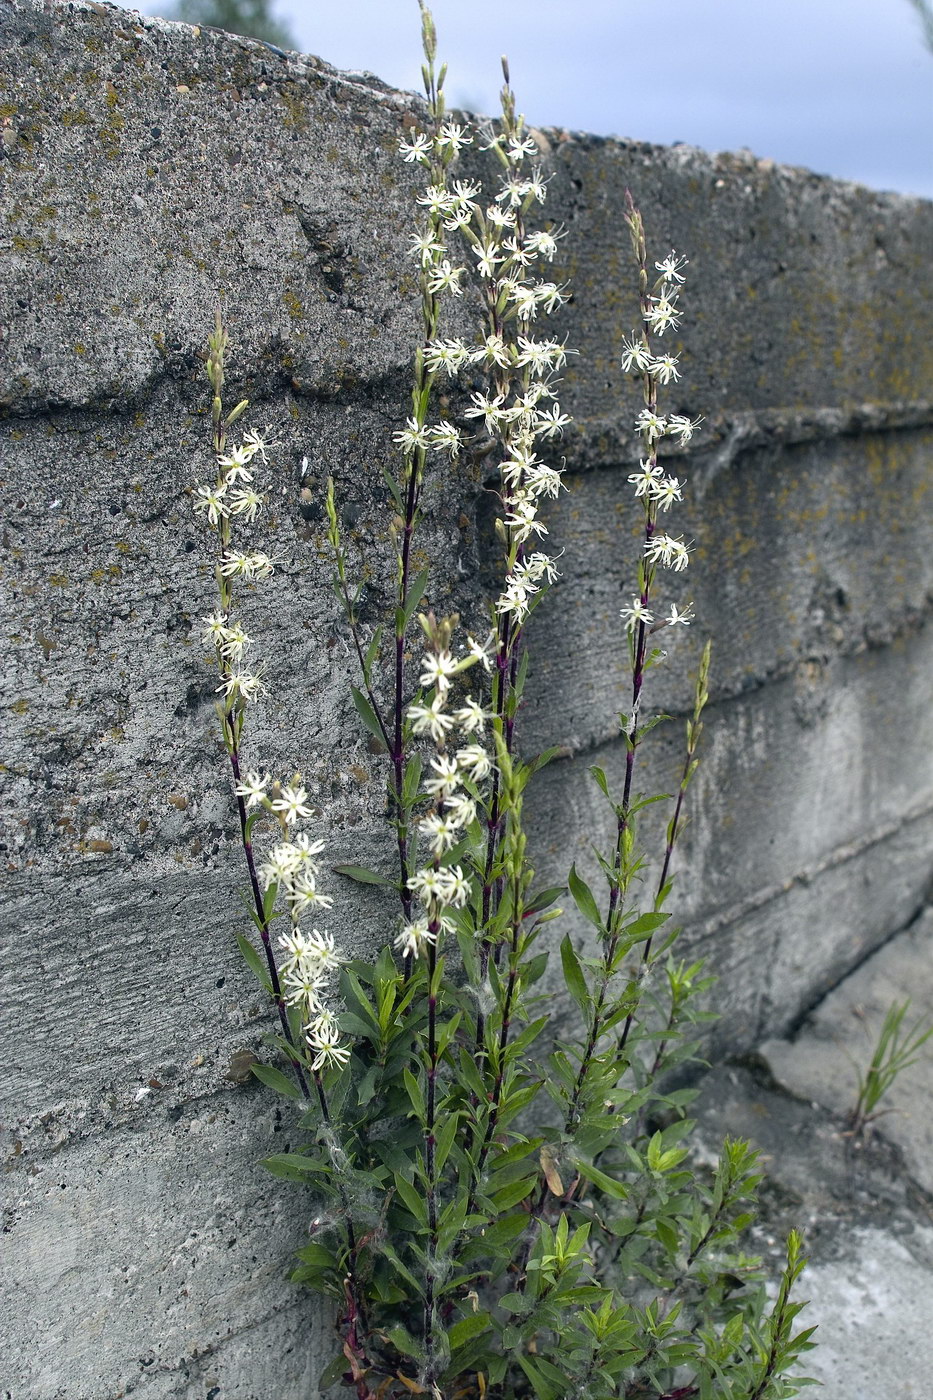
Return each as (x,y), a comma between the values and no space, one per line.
(602,782)
(332,1372)
(277,1080)
(293,1166)
(372,651)
(412,780)
(367,714)
(415,1096)
(317,1256)
(543,1388)
(363,876)
(254,961)
(616,1189)
(573,974)
(394,490)
(413,1202)
(415,593)
(584,899)
(404,1342)
(467,1328)
(644,926)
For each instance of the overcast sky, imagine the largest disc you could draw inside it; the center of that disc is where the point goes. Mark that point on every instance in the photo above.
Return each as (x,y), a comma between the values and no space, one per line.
(842,86)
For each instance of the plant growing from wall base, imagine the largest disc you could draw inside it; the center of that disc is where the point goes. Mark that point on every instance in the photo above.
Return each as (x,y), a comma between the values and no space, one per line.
(505,1202)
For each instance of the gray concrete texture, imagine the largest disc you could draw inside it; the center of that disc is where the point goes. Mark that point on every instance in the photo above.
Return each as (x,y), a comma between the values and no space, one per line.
(149,169)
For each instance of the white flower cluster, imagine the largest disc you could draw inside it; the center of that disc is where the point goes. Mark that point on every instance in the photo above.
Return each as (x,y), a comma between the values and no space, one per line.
(450,781)
(311,959)
(657,489)
(232,495)
(225,498)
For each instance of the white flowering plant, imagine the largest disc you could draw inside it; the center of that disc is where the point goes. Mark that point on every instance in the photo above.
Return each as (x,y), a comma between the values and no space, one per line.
(508,1206)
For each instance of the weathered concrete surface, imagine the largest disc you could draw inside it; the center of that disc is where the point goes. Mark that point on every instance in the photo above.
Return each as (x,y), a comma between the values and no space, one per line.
(865,1202)
(868,1234)
(836,1042)
(148,169)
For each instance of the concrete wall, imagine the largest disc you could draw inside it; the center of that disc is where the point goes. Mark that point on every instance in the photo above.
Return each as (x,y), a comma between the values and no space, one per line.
(148,168)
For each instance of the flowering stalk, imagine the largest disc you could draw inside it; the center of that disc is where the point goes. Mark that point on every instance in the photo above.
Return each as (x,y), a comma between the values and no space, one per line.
(232,495)
(436,149)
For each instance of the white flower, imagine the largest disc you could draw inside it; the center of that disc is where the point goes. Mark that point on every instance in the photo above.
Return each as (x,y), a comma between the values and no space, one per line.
(537,566)
(437,199)
(294,944)
(445,437)
(466,190)
(245,502)
(514,599)
(320,949)
(292,803)
(214,628)
(663,313)
(518,255)
(664,369)
(236,462)
(442,834)
(635,614)
(210,500)
(475,760)
(491,410)
(471,717)
(417,150)
(448,776)
(454,135)
(287,858)
(479,652)
(414,937)
(649,423)
(446,355)
(253,788)
(647,474)
(522,520)
(501,219)
(551,422)
(670,267)
(676,616)
(303,894)
(242,685)
(323,1037)
(437,668)
(460,809)
(430,719)
(517,149)
(254,442)
(304,984)
(549,295)
(426,246)
(665,492)
(543,480)
(455,885)
(543,243)
(233,643)
(305,849)
(413,435)
(493,351)
(667,550)
(487,256)
(256,565)
(427,884)
(446,278)
(682,427)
